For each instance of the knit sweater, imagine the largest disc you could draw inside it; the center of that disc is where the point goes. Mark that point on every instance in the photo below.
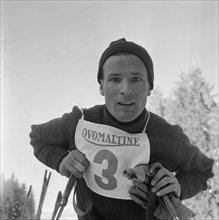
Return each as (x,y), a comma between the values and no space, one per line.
(168,145)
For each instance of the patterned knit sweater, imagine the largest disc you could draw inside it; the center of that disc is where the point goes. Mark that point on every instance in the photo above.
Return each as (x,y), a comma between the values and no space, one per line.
(169,145)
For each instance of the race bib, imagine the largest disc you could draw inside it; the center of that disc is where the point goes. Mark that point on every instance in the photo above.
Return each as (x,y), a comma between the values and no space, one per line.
(110,151)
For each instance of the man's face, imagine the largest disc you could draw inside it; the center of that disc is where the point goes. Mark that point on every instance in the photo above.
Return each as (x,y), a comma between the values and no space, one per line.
(125,86)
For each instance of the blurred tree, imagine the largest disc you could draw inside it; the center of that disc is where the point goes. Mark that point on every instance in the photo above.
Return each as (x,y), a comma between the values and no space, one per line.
(157,103)
(192,105)
(13,196)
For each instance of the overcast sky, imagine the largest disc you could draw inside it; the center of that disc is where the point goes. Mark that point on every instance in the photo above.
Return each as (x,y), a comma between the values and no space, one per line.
(50,53)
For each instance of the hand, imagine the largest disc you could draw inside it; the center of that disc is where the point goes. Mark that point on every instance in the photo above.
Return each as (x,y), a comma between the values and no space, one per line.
(74,163)
(164,181)
(139,193)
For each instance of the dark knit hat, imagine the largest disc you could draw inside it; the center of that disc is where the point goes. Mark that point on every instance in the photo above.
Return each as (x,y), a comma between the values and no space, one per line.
(122,45)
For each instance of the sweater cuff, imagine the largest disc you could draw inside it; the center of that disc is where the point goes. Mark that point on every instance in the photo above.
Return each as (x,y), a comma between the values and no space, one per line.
(55,157)
(190,185)
(185,188)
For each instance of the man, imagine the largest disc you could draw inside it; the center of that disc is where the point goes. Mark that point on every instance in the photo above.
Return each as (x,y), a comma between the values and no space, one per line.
(97,144)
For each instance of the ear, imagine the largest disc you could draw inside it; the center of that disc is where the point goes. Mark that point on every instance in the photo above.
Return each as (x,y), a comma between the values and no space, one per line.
(149,90)
(101,87)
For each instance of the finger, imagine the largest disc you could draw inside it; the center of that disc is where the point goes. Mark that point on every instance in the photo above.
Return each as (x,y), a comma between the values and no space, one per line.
(138,201)
(74,171)
(78,166)
(166,190)
(172,185)
(64,172)
(159,175)
(161,184)
(167,185)
(80,157)
(154,166)
(142,186)
(138,193)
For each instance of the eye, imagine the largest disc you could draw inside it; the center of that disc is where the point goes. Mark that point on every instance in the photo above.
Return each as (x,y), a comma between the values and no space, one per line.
(137,79)
(115,79)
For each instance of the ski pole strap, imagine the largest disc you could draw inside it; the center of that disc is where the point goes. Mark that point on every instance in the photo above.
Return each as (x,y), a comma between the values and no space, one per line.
(82,201)
(152,202)
(167,204)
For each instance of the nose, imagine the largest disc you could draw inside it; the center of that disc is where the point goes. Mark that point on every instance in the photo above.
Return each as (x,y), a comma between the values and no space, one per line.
(125,88)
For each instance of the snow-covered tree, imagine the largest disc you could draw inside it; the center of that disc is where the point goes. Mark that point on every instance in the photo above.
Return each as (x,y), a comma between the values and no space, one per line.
(192,105)
(13,197)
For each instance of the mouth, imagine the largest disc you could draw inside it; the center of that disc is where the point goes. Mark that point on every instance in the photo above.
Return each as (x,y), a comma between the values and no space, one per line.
(126,103)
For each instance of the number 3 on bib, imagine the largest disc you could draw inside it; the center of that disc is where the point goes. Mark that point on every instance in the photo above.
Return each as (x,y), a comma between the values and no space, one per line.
(108,180)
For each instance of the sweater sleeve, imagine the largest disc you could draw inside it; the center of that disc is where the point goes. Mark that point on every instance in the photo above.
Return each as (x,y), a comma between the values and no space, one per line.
(193,169)
(53,140)
(172,148)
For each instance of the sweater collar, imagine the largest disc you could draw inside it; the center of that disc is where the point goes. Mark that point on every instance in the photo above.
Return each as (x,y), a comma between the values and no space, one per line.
(135,126)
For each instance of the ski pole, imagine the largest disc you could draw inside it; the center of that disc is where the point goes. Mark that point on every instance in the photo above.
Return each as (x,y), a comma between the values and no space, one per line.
(25,203)
(70,184)
(57,205)
(43,194)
